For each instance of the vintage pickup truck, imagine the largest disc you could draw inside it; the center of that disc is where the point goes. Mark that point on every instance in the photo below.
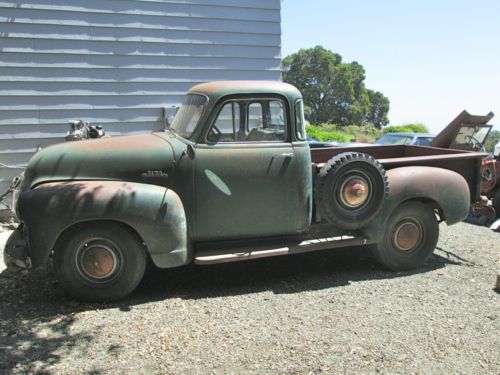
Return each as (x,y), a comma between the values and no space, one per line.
(232,178)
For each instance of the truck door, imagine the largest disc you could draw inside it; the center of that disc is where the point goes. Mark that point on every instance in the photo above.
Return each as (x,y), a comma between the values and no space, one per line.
(245,172)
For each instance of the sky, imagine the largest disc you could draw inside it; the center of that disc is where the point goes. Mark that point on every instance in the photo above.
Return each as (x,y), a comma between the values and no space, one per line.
(432,59)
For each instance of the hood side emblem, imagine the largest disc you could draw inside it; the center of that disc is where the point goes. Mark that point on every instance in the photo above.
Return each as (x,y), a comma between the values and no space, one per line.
(154,174)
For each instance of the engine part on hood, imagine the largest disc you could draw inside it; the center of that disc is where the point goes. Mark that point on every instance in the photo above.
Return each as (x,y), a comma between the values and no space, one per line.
(80,130)
(13,189)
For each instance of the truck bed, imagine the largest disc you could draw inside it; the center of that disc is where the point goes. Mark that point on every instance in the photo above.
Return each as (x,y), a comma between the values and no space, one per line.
(465,163)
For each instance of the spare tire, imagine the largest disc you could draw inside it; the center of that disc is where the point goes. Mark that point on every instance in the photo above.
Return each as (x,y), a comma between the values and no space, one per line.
(351,189)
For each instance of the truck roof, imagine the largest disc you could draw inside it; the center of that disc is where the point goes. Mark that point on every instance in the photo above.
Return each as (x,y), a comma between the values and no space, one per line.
(222,88)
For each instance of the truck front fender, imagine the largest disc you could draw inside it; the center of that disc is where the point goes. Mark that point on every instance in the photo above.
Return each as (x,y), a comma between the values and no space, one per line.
(446,188)
(155,213)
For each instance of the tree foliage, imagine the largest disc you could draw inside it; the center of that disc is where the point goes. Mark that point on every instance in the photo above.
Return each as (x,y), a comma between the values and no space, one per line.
(491,141)
(334,91)
(343,134)
(408,128)
(323,134)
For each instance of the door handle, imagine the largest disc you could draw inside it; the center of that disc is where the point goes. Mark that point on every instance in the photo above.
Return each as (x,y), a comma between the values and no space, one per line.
(288,155)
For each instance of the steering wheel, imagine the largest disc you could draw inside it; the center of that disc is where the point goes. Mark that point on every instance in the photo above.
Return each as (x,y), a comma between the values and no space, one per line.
(474,143)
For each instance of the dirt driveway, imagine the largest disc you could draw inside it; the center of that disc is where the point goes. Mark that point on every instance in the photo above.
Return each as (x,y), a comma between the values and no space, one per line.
(330,312)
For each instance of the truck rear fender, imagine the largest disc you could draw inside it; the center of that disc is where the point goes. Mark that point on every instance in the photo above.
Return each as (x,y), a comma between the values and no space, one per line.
(443,189)
(156,214)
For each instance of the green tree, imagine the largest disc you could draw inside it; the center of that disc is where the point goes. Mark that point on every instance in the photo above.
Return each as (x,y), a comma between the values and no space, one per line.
(491,141)
(334,91)
(379,109)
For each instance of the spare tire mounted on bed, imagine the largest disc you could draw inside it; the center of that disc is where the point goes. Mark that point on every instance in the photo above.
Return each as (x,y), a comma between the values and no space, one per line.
(351,189)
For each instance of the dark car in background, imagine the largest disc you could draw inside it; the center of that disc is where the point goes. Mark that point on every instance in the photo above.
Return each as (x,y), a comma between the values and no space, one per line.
(419,139)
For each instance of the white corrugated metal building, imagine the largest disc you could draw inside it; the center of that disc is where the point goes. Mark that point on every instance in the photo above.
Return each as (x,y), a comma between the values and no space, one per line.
(118,63)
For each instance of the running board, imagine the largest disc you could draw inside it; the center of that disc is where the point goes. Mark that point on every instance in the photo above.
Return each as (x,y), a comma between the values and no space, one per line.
(303,247)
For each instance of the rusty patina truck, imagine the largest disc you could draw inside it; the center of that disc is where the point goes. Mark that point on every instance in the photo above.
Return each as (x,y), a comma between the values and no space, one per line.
(232,178)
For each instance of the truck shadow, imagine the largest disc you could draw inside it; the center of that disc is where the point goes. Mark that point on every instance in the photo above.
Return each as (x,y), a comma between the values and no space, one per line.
(35,323)
(280,275)
(36,319)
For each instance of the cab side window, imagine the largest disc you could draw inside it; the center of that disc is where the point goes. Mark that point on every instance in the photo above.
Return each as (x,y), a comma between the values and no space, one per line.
(255,116)
(277,114)
(227,124)
(266,121)
(250,120)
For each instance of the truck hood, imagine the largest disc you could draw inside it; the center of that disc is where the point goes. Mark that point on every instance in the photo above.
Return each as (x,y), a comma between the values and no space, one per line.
(465,125)
(147,158)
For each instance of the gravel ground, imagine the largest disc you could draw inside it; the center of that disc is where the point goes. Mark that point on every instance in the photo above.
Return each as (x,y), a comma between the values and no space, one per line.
(331,312)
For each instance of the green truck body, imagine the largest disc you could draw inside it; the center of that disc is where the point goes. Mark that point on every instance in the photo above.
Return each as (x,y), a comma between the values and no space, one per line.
(232,178)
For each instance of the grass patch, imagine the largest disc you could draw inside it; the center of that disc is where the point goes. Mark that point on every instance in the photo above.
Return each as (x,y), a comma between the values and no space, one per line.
(409,128)
(343,134)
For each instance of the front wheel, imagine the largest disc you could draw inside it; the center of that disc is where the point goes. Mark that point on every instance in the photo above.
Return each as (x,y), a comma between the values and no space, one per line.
(410,237)
(99,261)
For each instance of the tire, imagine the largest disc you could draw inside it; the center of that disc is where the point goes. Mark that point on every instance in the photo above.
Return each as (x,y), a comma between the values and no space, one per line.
(496,203)
(99,261)
(398,253)
(351,170)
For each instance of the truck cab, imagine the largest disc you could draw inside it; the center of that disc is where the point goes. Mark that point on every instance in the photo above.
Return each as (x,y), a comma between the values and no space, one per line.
(250,158)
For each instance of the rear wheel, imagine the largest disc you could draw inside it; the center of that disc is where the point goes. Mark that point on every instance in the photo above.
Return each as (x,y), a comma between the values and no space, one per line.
(99,261)
(410,237)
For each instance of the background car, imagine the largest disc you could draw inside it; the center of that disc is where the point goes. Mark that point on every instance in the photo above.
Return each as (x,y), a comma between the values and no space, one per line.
(314,143)
(420,139)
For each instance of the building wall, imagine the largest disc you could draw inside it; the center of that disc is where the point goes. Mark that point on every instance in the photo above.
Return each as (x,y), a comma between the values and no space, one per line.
(119,62)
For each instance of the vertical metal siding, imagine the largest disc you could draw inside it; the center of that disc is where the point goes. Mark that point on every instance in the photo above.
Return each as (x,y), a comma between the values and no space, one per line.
(119,62)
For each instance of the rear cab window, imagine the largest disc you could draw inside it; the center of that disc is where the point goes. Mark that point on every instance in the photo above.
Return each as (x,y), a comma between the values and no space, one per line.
(300,122)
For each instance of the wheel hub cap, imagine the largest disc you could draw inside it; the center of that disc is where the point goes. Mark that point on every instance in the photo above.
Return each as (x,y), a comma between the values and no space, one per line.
(354,191)
(98,261)
(407,236)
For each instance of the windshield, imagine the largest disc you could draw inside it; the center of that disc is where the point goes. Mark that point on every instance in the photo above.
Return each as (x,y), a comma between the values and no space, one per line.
(393,139)
(189,114)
